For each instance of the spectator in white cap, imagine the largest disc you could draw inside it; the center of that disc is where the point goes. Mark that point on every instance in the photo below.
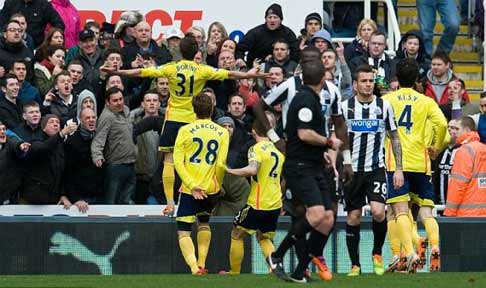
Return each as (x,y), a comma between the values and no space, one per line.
(173,38)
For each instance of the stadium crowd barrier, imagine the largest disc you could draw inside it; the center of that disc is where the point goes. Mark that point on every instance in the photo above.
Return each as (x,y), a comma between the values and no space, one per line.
(137,240)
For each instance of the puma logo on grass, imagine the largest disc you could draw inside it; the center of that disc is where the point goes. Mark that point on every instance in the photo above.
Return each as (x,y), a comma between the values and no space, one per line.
(64,244)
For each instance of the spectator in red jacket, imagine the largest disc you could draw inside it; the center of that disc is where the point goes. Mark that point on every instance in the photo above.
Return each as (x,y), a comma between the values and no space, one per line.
(438,78)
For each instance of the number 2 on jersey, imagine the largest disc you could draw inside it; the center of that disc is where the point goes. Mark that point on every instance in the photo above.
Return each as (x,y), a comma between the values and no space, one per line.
(405,119)
(182,84)
(273,172)
(210,156)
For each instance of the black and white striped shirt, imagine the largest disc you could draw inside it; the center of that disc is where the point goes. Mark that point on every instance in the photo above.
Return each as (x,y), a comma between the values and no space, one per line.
(446,160)
(284,93)
(367,127)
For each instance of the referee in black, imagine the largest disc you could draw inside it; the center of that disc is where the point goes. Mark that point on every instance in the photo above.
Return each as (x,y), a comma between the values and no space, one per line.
(304,172)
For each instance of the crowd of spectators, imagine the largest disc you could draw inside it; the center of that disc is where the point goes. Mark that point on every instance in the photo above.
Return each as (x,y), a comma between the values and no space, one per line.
(67,128)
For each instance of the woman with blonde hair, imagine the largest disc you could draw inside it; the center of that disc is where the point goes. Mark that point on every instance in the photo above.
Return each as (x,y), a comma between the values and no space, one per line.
(359,46)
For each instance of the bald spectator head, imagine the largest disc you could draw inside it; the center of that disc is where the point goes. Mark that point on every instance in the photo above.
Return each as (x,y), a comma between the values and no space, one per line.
(143,34)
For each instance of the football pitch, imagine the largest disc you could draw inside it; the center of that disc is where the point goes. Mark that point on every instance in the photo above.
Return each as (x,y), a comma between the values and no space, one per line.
(461,280)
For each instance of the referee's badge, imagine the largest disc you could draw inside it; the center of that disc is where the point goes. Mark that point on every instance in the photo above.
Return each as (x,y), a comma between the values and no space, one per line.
(305,115)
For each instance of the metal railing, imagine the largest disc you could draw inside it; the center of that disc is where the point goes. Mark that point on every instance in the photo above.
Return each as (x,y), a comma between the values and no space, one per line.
(393,29)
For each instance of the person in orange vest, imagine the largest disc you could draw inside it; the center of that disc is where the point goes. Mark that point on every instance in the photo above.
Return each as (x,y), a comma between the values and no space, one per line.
(466,196)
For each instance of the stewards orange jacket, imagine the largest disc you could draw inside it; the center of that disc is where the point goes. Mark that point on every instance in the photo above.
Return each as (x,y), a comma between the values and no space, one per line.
(466,195)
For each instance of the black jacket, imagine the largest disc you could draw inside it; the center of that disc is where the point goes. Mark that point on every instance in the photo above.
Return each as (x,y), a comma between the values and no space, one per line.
(65,112)
(354,49)
(27,134)
(83,179)
(38,14)
(82,85)
(422,59)
(9,170)
(11,52)
(137,86)
(258,42)
(43,168)
(91,66)
(10,113)
(388,65)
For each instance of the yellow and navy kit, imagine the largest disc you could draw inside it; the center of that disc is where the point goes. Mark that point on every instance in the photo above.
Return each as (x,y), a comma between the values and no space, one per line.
(200,153)
(265,191)
(186,79)
(414,112)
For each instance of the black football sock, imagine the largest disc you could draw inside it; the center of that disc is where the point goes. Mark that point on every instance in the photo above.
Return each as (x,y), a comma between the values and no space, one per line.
(352,241)
(379,234)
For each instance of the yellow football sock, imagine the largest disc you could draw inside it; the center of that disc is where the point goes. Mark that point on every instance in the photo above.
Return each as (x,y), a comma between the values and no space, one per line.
(203,241)
(432,229)
(237,251)
(189,253)
(405,231)
(267,246)
(394,237)
(415,235)
(168,179)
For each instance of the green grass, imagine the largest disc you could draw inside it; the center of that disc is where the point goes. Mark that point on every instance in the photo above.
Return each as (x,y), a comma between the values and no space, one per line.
(461,280)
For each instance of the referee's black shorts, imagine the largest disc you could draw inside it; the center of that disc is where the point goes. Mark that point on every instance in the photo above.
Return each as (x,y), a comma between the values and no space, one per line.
(308,184)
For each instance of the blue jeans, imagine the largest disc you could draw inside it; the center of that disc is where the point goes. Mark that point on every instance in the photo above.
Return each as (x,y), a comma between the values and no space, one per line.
(449,16)
(120,183)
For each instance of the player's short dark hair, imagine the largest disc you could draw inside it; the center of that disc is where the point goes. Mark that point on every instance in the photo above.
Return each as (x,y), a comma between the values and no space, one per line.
(281,40)
(202,105)
(310,53)
(112,50)
(62,73)
(259,128)
(112,91)
(21,61)
(439,54)
(236,95)
(30,104)
(152,91)
(407,72)
(189,47)
(75,62)
(378,33)
(8,23)
(364,68)
(467,122)
(312,72)
(51,49)
(5,78)
(275,65)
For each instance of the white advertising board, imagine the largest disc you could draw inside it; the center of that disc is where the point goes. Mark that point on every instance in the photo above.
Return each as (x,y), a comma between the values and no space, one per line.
(236,15)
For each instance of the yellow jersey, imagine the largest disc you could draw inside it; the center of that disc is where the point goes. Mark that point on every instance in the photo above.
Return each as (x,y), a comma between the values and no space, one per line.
(416,114)
(200,153)
(186,79)
(266,193)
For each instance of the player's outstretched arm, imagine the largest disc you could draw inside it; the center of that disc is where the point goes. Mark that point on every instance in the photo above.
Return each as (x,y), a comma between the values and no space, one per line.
(248,171)
(235,75)
(128,73)
(259,112)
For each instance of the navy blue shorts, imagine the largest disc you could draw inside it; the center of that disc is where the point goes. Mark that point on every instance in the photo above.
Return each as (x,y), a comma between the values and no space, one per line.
(251,220)
(168,135)
(417,184)
(190,209)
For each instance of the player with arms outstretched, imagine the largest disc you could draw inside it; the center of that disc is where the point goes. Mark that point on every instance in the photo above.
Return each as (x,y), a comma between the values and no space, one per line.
(186,79)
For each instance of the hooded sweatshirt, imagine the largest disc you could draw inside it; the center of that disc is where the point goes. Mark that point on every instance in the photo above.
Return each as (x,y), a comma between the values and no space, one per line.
(422,58)
(438,90)
(322,34)
(70,17)
(83,95)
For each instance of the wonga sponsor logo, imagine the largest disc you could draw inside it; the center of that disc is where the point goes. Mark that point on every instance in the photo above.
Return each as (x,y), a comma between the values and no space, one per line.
(364,125)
